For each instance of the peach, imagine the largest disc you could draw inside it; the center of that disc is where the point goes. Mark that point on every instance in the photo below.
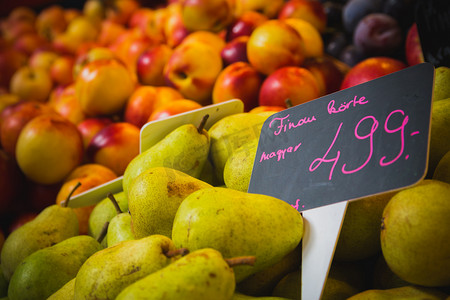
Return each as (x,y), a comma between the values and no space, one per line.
(245,24)
(269,8)
(89,127)
(67,105)
(235,50)
(206,37)
(173,108)
(31,84)
(413,48)
(51,22)
(174,29)
(273,45)
(150,65)
(61,70)
(311,11)
(328,74)
(211,15)
(311,37)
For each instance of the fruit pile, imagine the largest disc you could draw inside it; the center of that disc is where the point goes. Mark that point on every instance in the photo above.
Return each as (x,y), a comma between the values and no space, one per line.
(76,87)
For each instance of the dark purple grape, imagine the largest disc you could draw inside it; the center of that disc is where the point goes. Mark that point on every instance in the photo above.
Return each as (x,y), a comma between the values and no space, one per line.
(355,10)
(336,44)
(401,10)
(351,55)
(378,34)
(333,11)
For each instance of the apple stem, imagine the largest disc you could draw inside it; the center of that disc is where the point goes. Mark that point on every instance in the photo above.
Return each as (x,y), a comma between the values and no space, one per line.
(114,202)
(66,202)
(241,260)
(202,123)
(103,232)
(288,102)
(180,251)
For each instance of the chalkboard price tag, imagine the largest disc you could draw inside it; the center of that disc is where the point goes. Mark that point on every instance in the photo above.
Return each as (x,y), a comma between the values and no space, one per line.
(364,140)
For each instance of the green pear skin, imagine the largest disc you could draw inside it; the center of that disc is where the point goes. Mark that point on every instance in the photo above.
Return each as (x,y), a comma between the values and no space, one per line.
(52,225)
(202,274)
(441,88)
(238,168)
(154,197)
(290,286)
(65,292)
(403,293)
(119,229)
(229,133)
(103,212)
(442,171)
(439,133)
(45,271)
(106,273)
(183,149)
(238,224)
(415,234)
(240,296)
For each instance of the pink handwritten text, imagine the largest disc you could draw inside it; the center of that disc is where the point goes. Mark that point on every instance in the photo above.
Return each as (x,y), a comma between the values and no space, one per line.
(285,125)
(279,154)
(344,106)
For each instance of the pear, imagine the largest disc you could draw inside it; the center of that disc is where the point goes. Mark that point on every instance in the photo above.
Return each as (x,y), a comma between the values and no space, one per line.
(52,225)
(384,278)
(403,293)
(359,237)
(439,133)
(107,272)
(290,286)
(442,171)
(65,292)
(154,197)
(45,271)
(238,168)
(119,228)
(229,133)
(201,274)
(240,296)
(441,88)
(3,286)
(415,233)
(238,224)
(103,212)
(185,149)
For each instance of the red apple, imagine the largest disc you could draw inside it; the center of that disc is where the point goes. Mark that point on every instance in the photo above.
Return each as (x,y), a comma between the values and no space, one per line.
(235,50)
(90,127)
(115,146)
(150,65)
(245,24)
(67,105)
(238,81)
(174,29)
(173,108)
(413,48)
(327,72)
(294,83)
(31,84)
(371,68)
(309,10)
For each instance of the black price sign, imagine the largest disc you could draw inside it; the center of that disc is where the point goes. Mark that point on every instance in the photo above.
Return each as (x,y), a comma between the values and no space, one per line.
(364,140)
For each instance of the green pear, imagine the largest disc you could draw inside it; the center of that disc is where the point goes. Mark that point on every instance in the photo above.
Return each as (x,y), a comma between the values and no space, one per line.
(442,171)
(357,274)
(359,237)
(240,296)
(263,282)
(3,285)
(186,149)
(415,233)
(119,228)
(154,197)
(208,174)
(384,278)
(401,293)
(52,225)
(107,272)
(45,271)
(201,274)
(229,133)
(238,168)
(441,88)
(290,286)
(238,224)
(439,133)
(336,289)
(65,292)
(103,212)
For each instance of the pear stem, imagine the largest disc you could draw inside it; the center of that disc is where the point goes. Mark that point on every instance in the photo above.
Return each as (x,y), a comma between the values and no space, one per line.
(241,260)
(114,202)
(288,102)
(202,123)
(180,251)
(103,232)
(66,202)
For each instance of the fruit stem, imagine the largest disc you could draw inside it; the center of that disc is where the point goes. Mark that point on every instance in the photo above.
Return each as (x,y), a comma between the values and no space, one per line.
(288,102)
(114,202)
(103,232)
(241,260)
(66,202)
(180,251)
(202,123)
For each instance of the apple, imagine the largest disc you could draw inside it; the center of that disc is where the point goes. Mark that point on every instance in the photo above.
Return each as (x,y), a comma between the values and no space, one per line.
(295,83)
(114,146)
(173,108)
(371,68)
(238,81)
(192,70)
(95,53)
(71,13)
(269,8)
(7,99)
(327,72)
(81,29)
(413,48)
(312,38)
(10,62)
(89,127)
(207,37)
(211,15)
(174,29)
(61,70)
(275,44)
(67,105)
(16,119)
(120,11)
(311,11)
(42,59)
(266,108)
(31,84)
(94,10)
(245,24)
(109,32)
(29,42)
(49,147)
(150,65)
(103,87)
(51,22)
(235,50)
